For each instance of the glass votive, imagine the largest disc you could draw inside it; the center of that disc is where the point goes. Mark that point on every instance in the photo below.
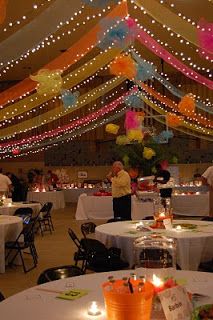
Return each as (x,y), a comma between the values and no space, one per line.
(93,309)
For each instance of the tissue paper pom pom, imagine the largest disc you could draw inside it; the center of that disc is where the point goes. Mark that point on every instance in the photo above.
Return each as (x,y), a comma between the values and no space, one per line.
(49,81)
(135,135)
(187,105)
(16,151)
(122,140)
(123,66)
(133,173)
(69,99)
(133,101)
(145,71)
(131,120)
(125,160)
(140,115)
(148,153)
(112,128)
(173,120)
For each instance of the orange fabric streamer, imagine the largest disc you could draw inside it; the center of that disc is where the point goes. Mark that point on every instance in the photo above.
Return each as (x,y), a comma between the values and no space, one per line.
(65,60)
(173,120)
(3,9)
(187,105)
(123,66)
(171,104)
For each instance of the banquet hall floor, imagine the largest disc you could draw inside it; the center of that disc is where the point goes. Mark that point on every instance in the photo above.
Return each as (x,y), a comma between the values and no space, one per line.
(53,250)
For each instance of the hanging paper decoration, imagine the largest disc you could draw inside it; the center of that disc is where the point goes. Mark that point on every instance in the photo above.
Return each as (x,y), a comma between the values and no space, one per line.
(135,135)
(133,173)
(164,164)
(114,33)
(49,81)
(3,7)
(131,120)
(145,71)
(140,116)
(99,3)
(164,136)
(174,160)
(123,66)
(205,37)
(173,120)
(112,128)
(134,101)
(148,153)
(122,140)
(125,160)
(187,105)
(69,99)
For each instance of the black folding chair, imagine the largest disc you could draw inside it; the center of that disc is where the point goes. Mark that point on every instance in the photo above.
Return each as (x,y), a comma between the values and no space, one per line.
(87,228)
(24,241)
(57,273)
(45,219)
(1,297)
(25,213)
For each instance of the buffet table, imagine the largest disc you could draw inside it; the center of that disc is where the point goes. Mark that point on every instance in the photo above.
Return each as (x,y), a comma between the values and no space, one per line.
(10,209)
(40,302)
(71,195)
(193,245)
(94,207)
(56,197)
(10,227)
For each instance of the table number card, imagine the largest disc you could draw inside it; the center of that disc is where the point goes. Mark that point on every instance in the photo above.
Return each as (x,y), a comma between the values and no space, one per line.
(73,294)
(176,304)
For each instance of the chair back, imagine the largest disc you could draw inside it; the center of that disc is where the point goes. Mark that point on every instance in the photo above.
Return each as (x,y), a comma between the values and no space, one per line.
(74,238)
(88,228)
(57,273)
(25,213)
(117,219)
(1,297)
(47,207)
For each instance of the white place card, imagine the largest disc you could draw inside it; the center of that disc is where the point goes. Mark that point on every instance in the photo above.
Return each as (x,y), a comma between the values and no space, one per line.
(176,304)
(167,224)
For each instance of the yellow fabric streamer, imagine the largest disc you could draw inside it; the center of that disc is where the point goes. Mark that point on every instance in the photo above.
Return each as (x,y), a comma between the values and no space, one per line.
(49,81)
(70,80)
(171,20)
(112,128)
(59,111)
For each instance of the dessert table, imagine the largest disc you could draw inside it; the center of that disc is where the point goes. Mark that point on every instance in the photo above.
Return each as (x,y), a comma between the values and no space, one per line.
(40,302)
(56,197)
(11,208)
(72,194)
(193,245)
(10,227)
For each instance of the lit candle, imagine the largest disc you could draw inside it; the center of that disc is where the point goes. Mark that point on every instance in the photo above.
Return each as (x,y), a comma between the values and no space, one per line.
(178,228)
(37,190)
(158,283)
(94,309)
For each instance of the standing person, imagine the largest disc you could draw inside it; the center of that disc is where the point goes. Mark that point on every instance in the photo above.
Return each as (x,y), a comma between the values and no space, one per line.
(121,191)
(16,187)
(5,184)
(162,178)
(207,178)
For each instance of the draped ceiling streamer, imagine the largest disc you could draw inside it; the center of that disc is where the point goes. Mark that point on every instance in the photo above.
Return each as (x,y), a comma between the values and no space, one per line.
(70,80)
(43,25)
(58,112)
(171,20)
(66,59)
(169,86)
(3,10)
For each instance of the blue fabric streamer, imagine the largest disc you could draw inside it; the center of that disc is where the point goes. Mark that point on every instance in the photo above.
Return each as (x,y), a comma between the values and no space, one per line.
(69,99)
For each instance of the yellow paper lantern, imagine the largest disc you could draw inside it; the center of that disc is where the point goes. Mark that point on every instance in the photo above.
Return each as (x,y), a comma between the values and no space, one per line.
(112,128)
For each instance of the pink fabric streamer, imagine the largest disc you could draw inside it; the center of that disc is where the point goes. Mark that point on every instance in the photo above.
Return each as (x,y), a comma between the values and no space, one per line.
(131,120)
(205,38)
(93,116)
(153,46)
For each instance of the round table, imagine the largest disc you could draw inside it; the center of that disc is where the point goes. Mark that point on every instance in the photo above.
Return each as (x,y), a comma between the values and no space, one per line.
(11,208)
(193,246)
(40,302)
(10,227)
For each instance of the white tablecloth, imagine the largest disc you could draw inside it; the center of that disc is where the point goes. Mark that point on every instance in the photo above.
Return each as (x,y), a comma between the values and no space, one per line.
(193,247)
(10,210)
(192,205)
(10,227)
(71,195)
(35,304)
(56,197)
(92,207)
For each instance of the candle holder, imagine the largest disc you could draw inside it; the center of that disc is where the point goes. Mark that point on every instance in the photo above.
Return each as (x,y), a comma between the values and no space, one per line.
(93,309)
(162,211)
(129,299)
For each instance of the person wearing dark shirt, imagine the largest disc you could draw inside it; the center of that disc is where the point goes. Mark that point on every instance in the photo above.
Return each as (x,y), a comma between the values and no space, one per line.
(16,187)
(162,177)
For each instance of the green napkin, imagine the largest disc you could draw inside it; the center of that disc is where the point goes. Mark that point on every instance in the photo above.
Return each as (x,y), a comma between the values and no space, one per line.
(73,294)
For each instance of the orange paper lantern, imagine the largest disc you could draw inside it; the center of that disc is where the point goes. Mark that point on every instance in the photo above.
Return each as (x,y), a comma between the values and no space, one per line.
(123,66)
(187,105)
(173,120)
